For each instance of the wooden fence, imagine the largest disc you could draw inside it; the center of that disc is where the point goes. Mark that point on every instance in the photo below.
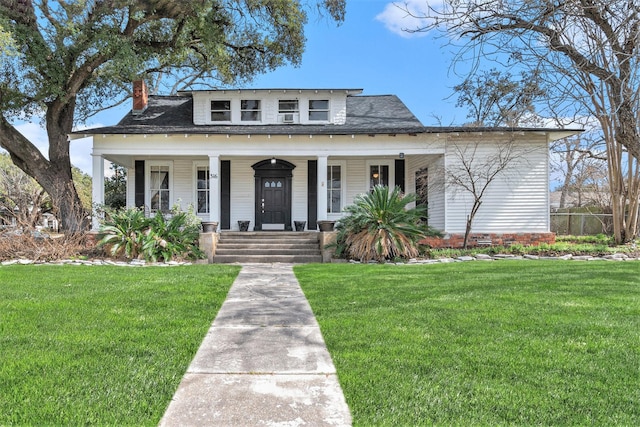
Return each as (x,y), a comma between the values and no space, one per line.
(581,224)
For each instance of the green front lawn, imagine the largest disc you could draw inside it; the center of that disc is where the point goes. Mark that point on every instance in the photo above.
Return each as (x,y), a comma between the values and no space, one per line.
(100,345)
(495,343)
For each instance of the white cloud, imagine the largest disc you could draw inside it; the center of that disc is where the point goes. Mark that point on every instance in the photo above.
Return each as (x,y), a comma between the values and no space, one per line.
(398,17)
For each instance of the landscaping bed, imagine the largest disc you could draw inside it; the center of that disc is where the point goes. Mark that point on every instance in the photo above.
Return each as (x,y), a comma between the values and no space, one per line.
(599,246)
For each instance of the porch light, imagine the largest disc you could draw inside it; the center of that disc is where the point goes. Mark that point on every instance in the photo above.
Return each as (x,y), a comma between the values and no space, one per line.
(273,160)
(401,155)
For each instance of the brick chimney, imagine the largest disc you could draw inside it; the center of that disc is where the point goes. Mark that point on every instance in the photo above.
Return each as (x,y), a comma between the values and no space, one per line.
(140,97)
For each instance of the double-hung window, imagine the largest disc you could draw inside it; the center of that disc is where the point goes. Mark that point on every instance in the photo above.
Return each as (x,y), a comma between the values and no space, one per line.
(250,110)
(319,110)
(334,189)
(203,204)
(288,110)
(221,111)
(288,106)
(160,187)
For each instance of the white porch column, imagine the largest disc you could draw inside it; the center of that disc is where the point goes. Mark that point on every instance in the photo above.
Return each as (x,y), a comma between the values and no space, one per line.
(322,188)
(97,190)
(214,188)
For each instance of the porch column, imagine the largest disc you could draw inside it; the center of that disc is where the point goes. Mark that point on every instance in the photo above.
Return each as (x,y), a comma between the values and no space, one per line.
(214,188)
(322,188)
(97,190)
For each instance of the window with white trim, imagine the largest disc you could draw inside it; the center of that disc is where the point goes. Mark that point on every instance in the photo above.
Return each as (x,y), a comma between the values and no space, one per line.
(250,110)
(203,204)
(319,110)
(334,188)
(221,110)
(159,196)
(288,111)
(378,175)
(288,106)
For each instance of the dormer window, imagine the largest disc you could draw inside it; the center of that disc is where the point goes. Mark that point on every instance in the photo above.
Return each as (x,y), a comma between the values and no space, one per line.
(319,110)
(288,110)
(288,106)
(250,110)
(221,111)
(259,107)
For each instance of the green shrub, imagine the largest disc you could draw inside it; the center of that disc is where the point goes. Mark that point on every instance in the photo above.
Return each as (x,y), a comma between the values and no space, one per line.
(130,234)
(122,232)
(380,227)
(170,238)
(597,239)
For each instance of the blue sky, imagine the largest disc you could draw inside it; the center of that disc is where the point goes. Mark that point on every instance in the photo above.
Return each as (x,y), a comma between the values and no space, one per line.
(368,51)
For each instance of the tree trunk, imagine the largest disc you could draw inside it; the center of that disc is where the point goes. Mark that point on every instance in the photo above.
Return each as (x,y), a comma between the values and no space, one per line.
(474,210)
(67,206)
(53,174)
(618,135)
(564,190)
(467,232)
(626,130)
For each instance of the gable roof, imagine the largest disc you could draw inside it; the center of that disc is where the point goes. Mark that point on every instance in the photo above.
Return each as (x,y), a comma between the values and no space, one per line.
(174,114)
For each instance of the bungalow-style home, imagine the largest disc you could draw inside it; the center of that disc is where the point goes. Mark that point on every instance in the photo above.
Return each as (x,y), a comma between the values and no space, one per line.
(273,157)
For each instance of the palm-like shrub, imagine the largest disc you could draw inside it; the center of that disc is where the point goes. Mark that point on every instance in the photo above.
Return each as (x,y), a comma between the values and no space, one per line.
(128,233)
(381,227)
(169,238)
(122,233)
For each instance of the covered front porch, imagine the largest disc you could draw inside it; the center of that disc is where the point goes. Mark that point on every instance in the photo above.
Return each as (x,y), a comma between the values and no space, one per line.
(271,187)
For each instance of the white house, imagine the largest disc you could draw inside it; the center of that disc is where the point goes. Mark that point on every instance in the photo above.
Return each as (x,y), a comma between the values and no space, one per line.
(274,156)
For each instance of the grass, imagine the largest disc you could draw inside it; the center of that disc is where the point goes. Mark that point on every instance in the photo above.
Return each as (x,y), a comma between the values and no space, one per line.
(100,345)
(508,343)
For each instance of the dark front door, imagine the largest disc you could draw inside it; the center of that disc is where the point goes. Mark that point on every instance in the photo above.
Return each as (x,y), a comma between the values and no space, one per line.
(274,206)
(273,194)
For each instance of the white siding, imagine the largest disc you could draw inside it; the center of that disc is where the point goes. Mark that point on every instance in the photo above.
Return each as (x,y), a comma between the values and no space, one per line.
(242,191)
(437,204)
(356,179)
(411,165)
(339,110)
(131,189)
(299,190)
(183,191)
(515,202)
(201,109)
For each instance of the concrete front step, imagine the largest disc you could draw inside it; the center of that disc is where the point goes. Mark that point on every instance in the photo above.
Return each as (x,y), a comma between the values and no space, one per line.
(268,247)
(290,259)
(268,242)
(273,235)
(252,245)
(267,251)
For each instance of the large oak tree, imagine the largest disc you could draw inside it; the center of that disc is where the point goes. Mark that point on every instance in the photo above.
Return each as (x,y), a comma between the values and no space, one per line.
(62,61)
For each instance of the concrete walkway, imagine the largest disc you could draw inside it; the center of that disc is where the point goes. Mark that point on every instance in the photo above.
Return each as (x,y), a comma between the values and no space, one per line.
(263,362)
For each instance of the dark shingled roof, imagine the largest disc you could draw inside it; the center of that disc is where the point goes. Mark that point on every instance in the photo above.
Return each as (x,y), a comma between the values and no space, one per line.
(174,114)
